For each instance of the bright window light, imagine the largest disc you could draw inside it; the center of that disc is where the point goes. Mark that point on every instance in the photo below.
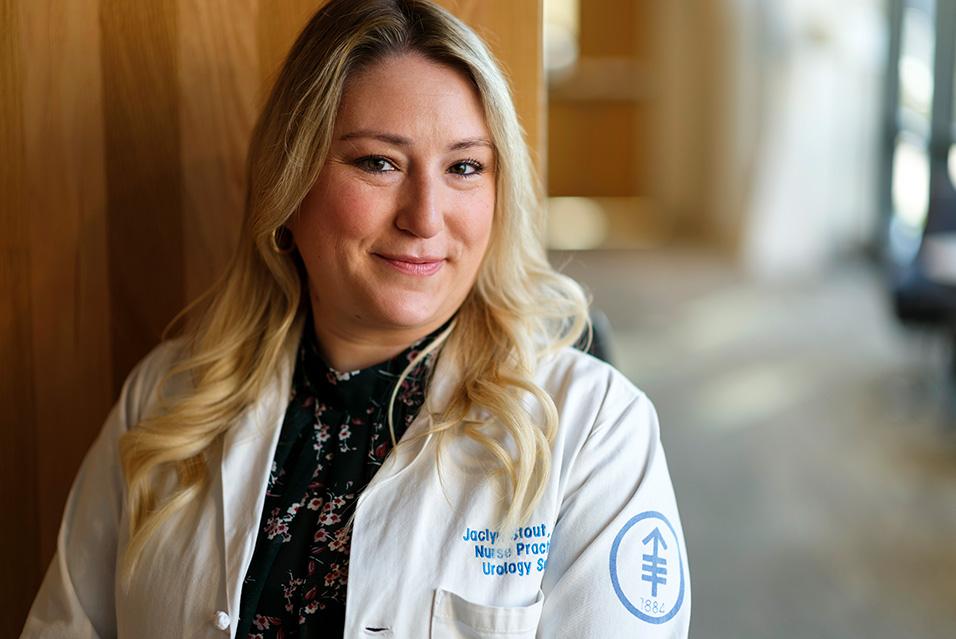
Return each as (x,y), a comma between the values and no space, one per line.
(561,19)
(910,183)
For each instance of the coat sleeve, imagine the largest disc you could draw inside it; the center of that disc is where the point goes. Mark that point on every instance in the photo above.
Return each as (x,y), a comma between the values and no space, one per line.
(76,597)
(617,564)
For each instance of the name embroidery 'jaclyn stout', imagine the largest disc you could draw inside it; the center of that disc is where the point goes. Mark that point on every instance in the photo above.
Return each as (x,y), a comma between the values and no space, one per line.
(525,554)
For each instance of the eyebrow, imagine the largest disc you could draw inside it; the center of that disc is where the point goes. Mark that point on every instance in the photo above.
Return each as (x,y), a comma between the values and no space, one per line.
(397,140)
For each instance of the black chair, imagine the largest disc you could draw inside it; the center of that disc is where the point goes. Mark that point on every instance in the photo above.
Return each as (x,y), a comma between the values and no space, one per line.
(924,289)
(600,345)
(922,270)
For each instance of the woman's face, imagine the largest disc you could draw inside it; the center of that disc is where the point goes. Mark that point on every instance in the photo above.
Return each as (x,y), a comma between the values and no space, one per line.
(394,229)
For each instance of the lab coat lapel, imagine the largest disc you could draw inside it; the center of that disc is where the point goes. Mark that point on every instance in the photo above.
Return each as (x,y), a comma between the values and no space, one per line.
(417,437)
(247,452)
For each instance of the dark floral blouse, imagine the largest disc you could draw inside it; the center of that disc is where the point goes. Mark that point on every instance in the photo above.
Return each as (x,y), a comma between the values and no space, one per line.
(333,440)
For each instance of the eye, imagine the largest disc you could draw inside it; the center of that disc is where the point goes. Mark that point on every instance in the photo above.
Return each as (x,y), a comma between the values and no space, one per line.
(375,164)
(466,168)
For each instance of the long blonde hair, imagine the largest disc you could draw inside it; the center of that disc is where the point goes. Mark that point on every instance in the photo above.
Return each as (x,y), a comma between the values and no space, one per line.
(518,311)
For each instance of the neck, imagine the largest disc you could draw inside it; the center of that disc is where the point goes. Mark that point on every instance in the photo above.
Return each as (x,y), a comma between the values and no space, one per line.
(350,349)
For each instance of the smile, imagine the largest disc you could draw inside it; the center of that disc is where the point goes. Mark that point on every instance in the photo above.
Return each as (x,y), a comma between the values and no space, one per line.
(410,265)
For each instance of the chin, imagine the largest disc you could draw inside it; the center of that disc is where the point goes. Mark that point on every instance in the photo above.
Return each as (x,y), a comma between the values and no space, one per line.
(406,314)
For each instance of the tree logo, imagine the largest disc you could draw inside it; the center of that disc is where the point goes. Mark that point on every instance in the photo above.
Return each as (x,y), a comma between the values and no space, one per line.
(647,568)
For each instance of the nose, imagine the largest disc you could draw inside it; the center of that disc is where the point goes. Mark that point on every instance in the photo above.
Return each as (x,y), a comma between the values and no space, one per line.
(420,209)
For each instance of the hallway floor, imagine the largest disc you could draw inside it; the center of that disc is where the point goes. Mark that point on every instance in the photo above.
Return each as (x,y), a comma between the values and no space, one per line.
(810,440)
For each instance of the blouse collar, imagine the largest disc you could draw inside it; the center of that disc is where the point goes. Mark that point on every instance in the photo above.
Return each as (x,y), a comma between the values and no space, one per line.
(353,390)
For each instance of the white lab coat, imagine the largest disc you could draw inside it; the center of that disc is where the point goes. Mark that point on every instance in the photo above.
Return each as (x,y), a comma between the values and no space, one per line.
(602,557)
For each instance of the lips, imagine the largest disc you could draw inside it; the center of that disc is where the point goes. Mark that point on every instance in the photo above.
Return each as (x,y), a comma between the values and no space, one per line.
(413,264)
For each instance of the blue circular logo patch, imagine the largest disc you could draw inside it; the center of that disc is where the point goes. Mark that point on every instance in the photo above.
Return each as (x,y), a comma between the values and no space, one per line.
(647,568)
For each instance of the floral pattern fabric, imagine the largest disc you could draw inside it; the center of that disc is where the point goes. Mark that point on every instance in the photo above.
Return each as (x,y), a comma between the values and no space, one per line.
(334,438)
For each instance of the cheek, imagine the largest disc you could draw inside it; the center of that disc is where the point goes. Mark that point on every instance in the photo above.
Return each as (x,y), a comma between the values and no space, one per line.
(325,221)
(479,226)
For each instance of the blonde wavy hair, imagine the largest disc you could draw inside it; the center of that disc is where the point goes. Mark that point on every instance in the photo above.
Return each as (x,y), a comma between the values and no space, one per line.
(234,337)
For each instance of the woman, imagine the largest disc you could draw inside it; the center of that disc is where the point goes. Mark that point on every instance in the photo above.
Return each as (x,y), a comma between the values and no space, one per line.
(374,426)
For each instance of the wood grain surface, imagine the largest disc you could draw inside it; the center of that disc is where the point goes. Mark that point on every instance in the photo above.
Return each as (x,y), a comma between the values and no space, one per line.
(124,127)
(19,501)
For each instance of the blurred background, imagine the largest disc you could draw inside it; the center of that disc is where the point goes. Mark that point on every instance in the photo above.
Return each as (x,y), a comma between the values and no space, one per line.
(758,194)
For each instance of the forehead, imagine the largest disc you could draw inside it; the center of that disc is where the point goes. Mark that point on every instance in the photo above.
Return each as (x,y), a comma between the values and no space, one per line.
(412,96)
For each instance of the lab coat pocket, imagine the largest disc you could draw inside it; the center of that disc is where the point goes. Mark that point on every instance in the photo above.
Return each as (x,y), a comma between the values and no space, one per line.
(454,617)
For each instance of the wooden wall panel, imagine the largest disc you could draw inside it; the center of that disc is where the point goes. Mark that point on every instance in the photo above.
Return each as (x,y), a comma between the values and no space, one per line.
(218,100)
(144,176)
(592,150)
(607,28)
(278,29)
(66,211)
(21,565)
(124,131)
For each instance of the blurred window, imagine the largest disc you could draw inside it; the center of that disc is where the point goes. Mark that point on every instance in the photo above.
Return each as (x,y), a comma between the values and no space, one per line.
(951,159)
(911,181)
(561,30)
(911,161)
(916,65)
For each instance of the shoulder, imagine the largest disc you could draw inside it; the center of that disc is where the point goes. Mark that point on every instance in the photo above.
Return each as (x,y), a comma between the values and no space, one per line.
(572,377)
(598,407)
(140,393)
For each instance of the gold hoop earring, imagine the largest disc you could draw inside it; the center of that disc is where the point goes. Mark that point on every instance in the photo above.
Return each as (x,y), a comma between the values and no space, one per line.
(282,240)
